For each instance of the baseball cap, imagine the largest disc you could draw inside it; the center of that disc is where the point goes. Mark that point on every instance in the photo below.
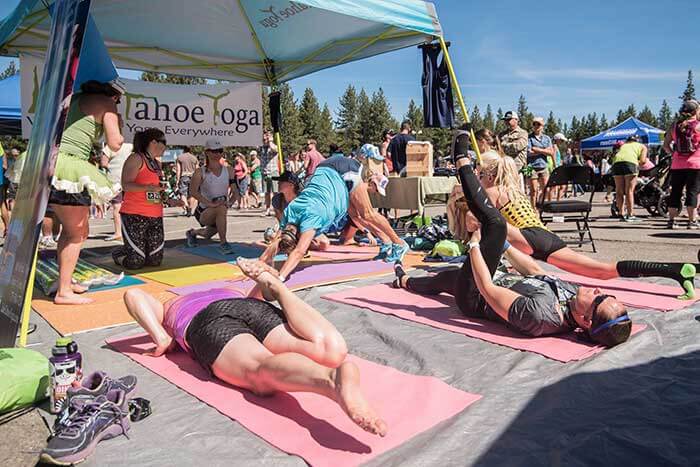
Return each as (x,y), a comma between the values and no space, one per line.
(253,152)
(510,115)
(560,137)
(381,182)
(539,120)
(213,144)
(289,177)
(689,106)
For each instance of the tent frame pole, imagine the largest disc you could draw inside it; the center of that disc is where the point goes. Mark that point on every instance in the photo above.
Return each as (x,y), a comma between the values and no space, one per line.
(460,99)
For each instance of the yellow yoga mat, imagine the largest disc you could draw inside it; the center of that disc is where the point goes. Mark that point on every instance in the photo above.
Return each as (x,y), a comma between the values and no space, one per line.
(188,275)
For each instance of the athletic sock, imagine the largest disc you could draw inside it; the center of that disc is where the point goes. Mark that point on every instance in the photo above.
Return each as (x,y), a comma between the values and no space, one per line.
(683,273)
(399,271)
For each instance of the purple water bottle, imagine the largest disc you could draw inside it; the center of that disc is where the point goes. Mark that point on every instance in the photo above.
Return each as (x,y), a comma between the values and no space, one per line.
(65,368)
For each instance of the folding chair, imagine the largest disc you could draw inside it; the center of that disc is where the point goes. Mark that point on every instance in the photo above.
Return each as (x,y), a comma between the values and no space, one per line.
(573,210)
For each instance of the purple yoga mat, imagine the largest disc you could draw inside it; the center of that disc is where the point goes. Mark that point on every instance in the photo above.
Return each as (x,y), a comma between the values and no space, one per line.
(309,276)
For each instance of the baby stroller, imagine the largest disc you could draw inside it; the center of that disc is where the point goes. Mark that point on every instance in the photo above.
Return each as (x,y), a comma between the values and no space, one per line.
(652,190)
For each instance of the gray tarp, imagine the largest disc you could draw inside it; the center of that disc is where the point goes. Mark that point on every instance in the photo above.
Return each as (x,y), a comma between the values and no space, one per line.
(638,404)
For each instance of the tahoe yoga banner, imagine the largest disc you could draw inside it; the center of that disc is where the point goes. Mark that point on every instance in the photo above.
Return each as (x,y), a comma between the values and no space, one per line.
(187,114)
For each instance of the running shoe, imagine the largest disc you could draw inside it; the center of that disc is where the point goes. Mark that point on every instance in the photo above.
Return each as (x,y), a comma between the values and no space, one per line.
(693,225)
(671,224)
(226,249)
(398,251)
(384,250)
(632,219)
(104,417)
(190,239)
(99,384)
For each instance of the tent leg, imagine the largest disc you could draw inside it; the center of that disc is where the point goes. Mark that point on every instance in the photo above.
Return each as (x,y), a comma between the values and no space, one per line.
(280,159)
(460,99)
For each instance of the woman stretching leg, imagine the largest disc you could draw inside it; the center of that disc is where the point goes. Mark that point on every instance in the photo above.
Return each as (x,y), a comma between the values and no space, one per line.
(251,344)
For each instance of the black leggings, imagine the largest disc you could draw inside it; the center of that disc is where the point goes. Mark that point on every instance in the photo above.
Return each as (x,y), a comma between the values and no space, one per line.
(143,242)
(460,282)
(688,179)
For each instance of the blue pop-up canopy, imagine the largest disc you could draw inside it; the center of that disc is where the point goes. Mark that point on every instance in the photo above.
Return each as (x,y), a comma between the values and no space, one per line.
(647,134)
(10,109)
(236,40)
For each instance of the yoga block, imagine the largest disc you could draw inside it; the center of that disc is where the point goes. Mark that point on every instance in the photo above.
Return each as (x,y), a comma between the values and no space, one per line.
(419,159)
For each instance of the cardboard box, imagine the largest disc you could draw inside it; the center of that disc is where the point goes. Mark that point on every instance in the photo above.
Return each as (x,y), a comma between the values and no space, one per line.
(419,159)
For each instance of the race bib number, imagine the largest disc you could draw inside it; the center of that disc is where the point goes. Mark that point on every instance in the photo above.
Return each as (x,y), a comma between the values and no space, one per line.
(153,197)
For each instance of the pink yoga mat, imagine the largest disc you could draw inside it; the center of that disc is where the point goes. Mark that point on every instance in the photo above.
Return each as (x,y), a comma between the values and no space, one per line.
(308,276)
(636,294)
(440,312)
(309,425)
(343,252)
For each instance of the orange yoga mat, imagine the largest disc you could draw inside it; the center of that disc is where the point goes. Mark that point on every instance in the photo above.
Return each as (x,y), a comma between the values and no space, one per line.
(107,310)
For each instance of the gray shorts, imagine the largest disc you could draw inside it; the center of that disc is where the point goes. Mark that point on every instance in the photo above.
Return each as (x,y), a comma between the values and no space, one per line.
(269,185)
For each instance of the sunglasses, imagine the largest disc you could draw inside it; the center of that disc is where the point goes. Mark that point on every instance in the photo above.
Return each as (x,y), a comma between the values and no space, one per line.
(536,124)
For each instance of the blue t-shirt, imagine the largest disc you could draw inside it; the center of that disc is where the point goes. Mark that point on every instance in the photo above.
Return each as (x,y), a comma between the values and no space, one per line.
(321,205)
(538,161)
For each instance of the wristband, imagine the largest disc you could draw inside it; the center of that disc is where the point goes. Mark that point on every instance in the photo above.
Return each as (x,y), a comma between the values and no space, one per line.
(473,245)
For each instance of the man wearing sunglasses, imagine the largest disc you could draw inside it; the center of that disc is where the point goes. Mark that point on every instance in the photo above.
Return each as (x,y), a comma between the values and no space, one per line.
(536,305)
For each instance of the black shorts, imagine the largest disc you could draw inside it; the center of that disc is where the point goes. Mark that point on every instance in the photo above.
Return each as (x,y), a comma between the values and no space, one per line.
(3,193)
(624,168)
(543,242)
(62,198)
(11,191)
(221,321)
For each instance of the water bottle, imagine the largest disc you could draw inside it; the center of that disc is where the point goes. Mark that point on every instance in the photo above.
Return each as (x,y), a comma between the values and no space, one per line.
(66,369)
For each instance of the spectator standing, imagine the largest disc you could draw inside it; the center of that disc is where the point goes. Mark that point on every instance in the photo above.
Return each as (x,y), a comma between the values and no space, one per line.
(384,148)
(255,189)
(270,168)
(684,134)
(240,169)
(540,152)
(311,158)
(397,148)
(185,165)
(514,140)
(625,167)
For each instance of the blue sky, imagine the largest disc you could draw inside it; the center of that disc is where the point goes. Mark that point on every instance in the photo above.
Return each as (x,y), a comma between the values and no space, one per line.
(569,57)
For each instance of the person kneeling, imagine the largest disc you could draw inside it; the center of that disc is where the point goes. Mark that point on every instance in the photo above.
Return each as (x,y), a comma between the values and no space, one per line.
(252,344)
(532,305)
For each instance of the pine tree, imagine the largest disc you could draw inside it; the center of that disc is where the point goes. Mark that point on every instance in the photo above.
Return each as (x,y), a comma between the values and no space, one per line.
(525,115)
(347,123)
(689,92)
(11,70)
(310,114)
(592,127)
(171,79)
(364,119)
(489,121)
(561,126)
(665,116)
(620,117)
(574,129)
(414,114)
(603,123)
(550,127)
(630,111)
(381,118)
(647,116)
(475,118)
(292,132)
(500,124)
(326,134)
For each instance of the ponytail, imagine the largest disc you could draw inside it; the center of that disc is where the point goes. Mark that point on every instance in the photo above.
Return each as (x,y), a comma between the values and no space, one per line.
(504,172)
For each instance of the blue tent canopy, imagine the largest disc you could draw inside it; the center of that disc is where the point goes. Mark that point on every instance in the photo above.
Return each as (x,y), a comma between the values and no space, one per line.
(647,134)
(236,40)
(10,108)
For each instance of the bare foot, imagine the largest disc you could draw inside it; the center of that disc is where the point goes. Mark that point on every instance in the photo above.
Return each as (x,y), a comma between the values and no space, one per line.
(164,345)
(350,397)
(71,299)
(78,289)
(263,274)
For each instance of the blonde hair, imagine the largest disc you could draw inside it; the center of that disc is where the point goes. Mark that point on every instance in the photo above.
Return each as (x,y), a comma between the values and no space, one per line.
(504,172)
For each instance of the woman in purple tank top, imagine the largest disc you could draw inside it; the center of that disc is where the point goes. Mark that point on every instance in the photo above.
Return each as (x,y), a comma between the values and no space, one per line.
(250,343)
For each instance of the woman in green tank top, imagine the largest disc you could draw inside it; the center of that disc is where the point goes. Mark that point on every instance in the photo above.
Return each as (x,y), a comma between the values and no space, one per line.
(76,183)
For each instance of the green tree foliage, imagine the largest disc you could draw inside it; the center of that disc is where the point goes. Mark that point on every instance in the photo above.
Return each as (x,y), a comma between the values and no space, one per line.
(292,133)
(11,70)
(500,124)
(326,133)
(689,92)
(551,127)
(647,116)
(524,113)
(170,79)
(364,120)
(347,123)
(665,116)
(381,119)
(489,119)
(414,114)
(623,115)
(604,123)
(476,119)
(310,115)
